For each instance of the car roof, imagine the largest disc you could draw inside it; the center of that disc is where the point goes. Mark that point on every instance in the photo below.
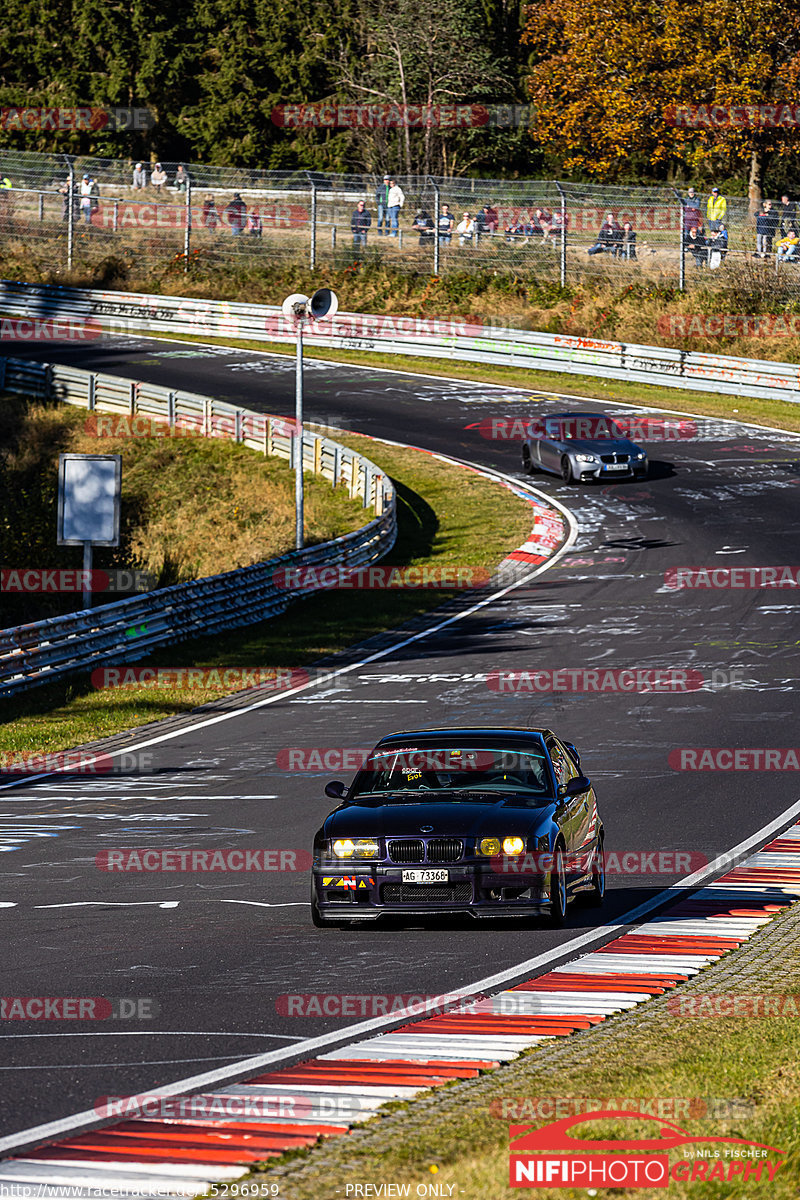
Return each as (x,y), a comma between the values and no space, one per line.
(512,733)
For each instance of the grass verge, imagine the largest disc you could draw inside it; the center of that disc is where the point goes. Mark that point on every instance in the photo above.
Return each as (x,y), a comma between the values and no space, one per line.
(448,517)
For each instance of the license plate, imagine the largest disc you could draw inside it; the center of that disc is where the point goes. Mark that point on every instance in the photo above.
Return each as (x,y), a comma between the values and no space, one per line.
(426,876)
(616,467)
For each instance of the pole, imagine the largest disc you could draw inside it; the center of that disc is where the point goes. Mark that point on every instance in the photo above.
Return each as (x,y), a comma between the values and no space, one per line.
(437,198)
(313,247)
(298,438)
(187,235)
(87,574)
(563,271)
(682,251)
(70,212)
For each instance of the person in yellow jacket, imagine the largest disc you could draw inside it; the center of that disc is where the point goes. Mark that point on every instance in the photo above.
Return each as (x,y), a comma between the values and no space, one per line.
(716,210)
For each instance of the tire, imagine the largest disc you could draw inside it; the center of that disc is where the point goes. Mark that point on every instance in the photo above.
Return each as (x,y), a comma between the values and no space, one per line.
(596,896)
(558,889)
(527,462)
(566,470)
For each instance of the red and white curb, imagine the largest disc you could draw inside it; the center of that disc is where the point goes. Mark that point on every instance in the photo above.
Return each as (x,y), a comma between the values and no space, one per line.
(184,1156)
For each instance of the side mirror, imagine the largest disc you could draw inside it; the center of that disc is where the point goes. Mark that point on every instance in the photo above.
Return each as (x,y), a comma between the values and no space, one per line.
(335,789)
(576,786)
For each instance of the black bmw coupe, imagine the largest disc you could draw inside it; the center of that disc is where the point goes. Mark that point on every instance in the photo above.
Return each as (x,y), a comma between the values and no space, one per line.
(491,822)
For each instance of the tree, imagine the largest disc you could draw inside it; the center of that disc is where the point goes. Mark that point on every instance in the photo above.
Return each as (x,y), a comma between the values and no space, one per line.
(606,83)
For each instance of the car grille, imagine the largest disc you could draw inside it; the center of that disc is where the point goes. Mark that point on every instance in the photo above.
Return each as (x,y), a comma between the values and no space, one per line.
(407,851)
(414,850)
(615,458)
(427,893)
(445,850)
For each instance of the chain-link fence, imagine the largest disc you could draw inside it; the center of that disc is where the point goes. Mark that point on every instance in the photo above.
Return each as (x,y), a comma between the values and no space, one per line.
(74,213)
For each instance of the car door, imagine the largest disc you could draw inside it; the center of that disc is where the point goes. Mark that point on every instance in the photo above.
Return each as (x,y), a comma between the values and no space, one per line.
(569,810)
(550,448)
(586,814)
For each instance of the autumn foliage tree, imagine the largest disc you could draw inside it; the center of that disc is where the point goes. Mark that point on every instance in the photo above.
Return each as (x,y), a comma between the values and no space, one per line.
(604,80)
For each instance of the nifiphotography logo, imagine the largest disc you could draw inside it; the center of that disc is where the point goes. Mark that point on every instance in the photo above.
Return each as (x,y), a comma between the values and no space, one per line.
(549,1156)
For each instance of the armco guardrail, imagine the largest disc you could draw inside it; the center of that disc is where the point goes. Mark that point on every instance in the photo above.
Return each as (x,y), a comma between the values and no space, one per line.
(130,312)
(126,630)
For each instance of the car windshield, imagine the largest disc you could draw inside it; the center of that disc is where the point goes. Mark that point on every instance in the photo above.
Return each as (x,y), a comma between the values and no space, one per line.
(452,773)
(583,427)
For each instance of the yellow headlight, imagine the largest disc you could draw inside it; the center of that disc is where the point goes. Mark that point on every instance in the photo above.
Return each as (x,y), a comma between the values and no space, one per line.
(489,846)
(343,848)
(513,845)
(366,848)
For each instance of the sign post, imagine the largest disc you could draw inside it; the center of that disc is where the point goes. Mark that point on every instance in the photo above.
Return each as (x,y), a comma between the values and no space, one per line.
(89,487)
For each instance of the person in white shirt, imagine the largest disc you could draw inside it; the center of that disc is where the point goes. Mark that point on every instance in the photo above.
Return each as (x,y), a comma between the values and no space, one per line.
(86,199)
(158,177)
(395,200)
(465,229)
(139,176)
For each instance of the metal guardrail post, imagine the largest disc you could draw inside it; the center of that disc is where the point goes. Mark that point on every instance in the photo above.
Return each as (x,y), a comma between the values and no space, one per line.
(187,235)
(333,237)
(115,221)
(41,206)
(563,256)
(298,440)
(436,212)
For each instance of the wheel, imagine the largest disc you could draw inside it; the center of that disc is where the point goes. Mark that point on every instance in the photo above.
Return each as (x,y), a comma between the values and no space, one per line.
(527,461)
(596,895)
(558,889)
(566,470)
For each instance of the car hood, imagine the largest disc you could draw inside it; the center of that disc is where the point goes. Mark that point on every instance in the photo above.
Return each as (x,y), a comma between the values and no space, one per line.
(461,819)
(602,445)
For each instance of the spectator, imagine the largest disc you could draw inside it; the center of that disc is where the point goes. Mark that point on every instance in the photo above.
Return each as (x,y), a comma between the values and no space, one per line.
(181,180)
(139,177)
(608,239)
(423,225)
(395,199)
(519,230)
(716,210)
(465,229)
(360,222)
(446,223)
(628,244)
(490,218)
(695,243)
(64,191)
(691,211)
(382,204)
(556,227)
(5,182)
(766,224)
(94,197)
(788,247)
(535,226)
(718,247)
(86,199)
(236,212)
(158,177)
(254,226)
(210,215)
(788,215)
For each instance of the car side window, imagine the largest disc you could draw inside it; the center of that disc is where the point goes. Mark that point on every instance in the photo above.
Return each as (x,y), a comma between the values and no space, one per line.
(563,765)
